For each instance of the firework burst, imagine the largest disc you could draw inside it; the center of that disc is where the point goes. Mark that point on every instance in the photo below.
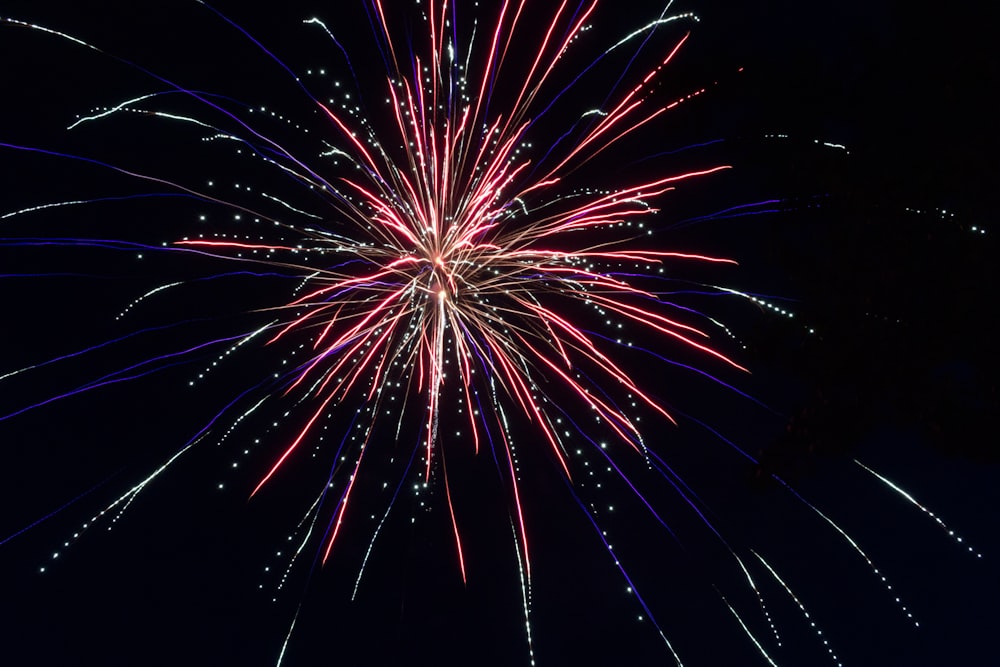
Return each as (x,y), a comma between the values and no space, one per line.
(458,281)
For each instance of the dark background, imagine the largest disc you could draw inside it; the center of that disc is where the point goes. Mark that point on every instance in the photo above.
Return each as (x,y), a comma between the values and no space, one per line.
(878,249)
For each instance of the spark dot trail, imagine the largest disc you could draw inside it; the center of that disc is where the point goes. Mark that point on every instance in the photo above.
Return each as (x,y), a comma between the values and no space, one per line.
(465,270)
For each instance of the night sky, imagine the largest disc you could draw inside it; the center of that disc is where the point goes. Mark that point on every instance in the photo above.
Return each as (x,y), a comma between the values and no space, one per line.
(877,245)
